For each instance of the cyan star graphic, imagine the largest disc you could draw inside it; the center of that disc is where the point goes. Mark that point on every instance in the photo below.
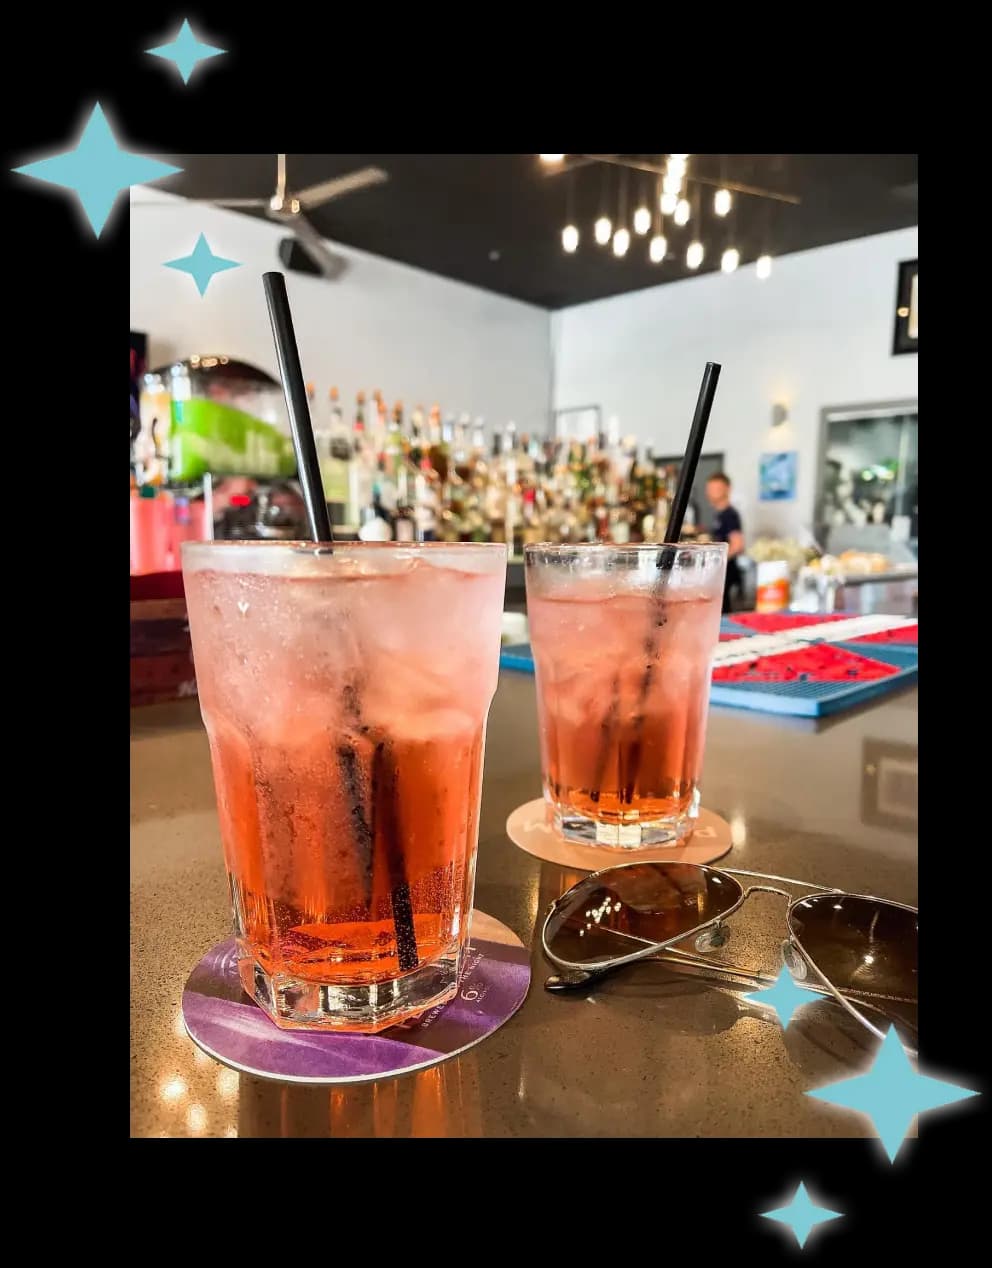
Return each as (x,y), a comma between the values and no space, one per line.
(202,264)
(97,169)
(892,1093)
(802,1214)
(186,50)
(784,997)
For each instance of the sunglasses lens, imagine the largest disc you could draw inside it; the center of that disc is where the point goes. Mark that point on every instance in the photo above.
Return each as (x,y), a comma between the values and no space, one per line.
(617,911)
(864,947)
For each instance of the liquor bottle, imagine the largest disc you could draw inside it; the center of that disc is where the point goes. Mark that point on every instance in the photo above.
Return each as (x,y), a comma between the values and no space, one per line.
(393,448)
(384,490)
(361,469)
(439,445)
(427,501)
(404,520)
(336,462)
(374,527)
(336,417)
(416,446)
(477,450)
(318,422)
(375,423)
(508,478)
(620,518)
(491,478)
(535,516)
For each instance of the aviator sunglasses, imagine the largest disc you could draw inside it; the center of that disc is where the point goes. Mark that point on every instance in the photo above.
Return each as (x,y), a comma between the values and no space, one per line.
(858,950)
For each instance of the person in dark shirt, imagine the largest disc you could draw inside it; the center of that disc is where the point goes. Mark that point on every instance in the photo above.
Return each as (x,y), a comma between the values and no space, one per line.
(726,527)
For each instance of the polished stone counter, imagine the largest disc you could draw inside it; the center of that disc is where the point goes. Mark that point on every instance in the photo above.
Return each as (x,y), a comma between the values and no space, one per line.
(649,1053)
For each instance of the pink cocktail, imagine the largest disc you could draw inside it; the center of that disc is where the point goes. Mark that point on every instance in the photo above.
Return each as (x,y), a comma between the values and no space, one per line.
(623,639)
(345,697)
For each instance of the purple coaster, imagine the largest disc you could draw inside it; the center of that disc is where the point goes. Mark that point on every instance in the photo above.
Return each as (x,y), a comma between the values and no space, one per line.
(228,1026)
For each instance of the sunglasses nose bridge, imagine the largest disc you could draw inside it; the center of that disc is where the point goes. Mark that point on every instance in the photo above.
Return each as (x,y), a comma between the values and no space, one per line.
(767,889)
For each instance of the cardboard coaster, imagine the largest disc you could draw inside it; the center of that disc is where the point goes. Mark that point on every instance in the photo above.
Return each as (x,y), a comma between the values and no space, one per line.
(222,1020)
(530,827)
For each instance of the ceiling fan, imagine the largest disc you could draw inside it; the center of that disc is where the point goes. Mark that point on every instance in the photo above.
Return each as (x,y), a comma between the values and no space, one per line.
(289,208)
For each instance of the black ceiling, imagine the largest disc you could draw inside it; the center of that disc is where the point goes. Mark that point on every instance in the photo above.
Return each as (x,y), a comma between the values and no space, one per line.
(495,220)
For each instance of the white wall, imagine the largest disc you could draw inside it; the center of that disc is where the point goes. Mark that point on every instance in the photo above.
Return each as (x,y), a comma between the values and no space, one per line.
(817,333)
(418,337)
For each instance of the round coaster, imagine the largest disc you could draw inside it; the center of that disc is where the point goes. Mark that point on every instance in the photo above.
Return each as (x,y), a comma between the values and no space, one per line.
(222,1020)
(530,828)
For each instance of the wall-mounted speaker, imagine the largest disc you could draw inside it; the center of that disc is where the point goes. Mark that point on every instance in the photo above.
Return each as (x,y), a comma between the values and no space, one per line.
(294,256)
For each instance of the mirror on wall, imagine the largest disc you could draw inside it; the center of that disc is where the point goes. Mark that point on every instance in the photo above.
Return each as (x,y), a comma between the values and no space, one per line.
(867,490)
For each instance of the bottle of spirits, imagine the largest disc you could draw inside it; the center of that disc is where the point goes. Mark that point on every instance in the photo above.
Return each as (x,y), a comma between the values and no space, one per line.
(508,476)
(385,490)
(336,464)
(416,447)
(438,445)
(362,468)
(393,447)
(404,519)
(477,452)
(373,527)
(319,423)
(400,425)
(377,424)
(427,501)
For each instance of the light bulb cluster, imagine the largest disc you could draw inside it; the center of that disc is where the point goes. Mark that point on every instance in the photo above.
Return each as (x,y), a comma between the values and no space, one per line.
(672,202)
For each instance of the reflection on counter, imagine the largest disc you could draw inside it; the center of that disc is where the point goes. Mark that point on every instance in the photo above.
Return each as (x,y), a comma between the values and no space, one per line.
(441,1101)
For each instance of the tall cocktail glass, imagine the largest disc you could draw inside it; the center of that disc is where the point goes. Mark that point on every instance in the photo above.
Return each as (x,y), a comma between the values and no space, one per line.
(345,697)
(623,639)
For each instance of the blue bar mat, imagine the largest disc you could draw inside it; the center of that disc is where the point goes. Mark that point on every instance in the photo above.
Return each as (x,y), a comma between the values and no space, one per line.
(791,682)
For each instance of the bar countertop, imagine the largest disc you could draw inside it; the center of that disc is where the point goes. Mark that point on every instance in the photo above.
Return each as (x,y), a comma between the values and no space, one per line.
(648,1053)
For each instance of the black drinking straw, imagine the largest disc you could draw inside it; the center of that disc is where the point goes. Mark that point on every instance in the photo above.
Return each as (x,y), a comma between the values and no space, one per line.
(694,447)
(295,392)
(630,761)
(384,791)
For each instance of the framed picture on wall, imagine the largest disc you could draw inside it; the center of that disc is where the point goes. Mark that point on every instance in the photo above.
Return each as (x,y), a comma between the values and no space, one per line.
(777,476)
(907,330)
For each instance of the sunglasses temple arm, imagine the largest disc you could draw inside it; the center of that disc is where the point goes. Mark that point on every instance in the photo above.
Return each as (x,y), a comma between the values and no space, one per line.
(714,967)
(844,1002)
(763,979)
